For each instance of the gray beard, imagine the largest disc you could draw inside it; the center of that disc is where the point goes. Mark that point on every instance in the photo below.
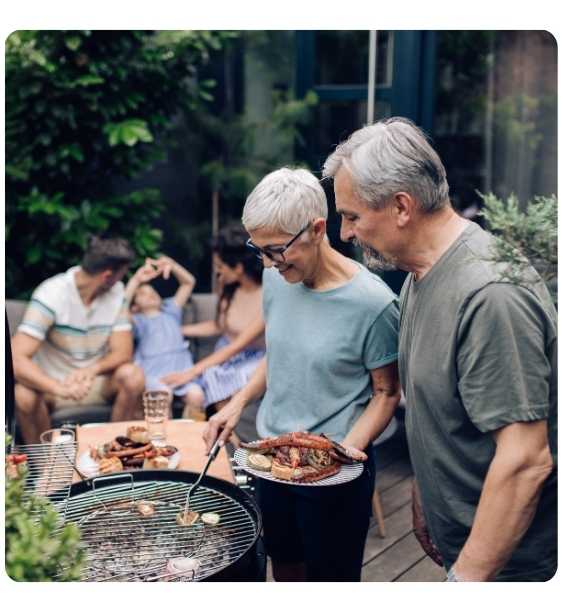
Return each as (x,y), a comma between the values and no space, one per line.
(374,260)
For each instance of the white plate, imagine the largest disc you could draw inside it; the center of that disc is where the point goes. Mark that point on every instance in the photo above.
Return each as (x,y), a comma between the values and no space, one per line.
(89,467)
(347,472)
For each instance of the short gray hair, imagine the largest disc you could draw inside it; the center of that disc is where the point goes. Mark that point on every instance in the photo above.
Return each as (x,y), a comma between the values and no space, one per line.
(286,200)
(389,156)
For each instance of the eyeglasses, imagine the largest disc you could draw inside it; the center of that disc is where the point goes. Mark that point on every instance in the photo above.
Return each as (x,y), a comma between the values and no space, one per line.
(274,253)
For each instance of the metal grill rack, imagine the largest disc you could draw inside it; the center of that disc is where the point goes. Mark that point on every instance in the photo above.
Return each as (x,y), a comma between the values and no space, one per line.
(49,471)
(122,545)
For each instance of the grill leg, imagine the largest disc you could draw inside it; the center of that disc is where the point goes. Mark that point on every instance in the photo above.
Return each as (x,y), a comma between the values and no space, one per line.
(378,511)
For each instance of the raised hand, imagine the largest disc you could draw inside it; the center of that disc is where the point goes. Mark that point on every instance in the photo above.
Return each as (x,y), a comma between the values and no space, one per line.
(147,272)
(163,264)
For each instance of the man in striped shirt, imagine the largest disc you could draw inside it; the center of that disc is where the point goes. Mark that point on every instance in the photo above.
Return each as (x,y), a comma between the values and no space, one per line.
(74,345)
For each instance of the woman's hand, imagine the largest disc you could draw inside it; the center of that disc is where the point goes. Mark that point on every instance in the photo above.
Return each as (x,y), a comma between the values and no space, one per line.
(221,424)
(176,379)
(355,453)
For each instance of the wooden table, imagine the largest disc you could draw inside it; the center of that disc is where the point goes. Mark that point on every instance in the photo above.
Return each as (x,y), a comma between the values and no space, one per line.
(182,433)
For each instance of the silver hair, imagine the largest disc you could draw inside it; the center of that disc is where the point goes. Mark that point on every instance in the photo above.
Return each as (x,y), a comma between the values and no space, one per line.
(389,156)
(285,200)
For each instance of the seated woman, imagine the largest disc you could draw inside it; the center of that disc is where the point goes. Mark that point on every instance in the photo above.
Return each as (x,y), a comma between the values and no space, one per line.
(160,347)
(239,323)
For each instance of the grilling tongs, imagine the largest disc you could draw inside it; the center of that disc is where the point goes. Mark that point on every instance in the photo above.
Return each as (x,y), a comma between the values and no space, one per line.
(212,454)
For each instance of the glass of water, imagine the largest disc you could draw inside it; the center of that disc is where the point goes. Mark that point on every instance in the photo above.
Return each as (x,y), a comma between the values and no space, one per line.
(57,436)
(156,405)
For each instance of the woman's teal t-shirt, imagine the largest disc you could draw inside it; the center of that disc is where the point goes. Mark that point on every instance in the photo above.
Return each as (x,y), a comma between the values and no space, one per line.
(320,348)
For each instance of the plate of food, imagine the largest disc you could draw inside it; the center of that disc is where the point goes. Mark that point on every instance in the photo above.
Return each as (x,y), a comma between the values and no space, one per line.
(129,452)
(301,458)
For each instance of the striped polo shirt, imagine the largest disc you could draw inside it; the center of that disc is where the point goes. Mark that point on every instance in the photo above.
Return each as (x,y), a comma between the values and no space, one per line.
(73,335)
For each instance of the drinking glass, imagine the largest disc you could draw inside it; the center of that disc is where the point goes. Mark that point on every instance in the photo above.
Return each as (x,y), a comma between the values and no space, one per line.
(156,405)
(57,436)
(53,466)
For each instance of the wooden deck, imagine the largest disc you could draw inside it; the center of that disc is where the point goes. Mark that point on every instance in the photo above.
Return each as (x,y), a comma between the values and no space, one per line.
(398,557)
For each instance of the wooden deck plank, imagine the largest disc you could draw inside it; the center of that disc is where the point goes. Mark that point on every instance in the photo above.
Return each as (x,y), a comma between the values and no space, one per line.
(396,496)
(393,449)
(394,562)
(424,571)
(392,474)
(398,525)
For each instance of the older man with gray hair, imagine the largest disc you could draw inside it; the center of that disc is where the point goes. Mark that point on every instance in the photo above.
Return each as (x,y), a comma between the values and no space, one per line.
(477,361)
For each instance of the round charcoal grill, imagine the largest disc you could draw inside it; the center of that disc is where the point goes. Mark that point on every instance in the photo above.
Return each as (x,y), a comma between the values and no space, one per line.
(122,545)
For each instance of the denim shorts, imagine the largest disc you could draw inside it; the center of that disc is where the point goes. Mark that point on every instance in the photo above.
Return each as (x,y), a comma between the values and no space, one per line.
(323,527)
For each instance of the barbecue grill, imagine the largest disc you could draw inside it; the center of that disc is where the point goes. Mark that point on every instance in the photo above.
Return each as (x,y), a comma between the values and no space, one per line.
(123,545)
(49,471)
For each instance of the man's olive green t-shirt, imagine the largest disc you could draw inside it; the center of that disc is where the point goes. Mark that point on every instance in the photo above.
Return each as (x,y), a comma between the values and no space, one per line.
(476,353)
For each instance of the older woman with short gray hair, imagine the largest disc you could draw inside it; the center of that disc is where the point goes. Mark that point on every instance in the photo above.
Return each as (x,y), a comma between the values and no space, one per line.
(330,367)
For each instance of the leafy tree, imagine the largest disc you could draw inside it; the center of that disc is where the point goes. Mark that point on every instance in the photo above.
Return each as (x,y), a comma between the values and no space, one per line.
(87,112)
(242,148)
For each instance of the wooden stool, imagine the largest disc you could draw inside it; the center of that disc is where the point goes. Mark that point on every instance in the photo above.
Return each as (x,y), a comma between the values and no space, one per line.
(378,512)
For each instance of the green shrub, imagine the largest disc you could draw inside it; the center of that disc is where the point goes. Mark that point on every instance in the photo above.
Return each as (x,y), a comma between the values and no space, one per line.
(526,235)
(86,112)
(37,548)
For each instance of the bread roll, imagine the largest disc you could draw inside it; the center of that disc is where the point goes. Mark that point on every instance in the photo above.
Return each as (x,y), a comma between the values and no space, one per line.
(283,472)
(138,433)
(259,462)
(110,465)
(155,463)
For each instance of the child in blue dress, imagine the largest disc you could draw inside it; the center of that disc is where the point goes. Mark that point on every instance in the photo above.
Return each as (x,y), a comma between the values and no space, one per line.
(239,323)
(160,347)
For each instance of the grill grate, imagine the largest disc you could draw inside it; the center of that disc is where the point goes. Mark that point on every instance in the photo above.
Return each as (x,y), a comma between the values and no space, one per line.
(49,471)
(121,545)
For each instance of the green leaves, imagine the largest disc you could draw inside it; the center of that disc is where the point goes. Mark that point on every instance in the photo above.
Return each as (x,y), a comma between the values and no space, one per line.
(86,113)
(128,132)
(526,234)
(73,42)
(88,80)
(37,548)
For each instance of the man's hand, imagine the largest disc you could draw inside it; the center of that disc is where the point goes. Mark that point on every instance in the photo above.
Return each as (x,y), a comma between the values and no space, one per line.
(420,530)
(73,391)
(221,424)
(176,379)
(79,382)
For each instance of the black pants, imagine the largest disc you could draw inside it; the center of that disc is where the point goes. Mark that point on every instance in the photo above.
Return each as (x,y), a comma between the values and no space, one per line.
(323,527)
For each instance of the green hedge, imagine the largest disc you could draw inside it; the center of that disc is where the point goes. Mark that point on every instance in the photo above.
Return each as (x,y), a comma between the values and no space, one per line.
(86,112)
